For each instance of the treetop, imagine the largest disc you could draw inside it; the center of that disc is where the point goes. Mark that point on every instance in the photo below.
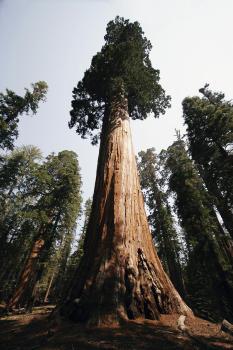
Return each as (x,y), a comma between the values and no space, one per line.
(123,63)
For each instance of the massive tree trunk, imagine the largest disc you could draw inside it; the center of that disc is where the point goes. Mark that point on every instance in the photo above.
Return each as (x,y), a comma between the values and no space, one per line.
(120,275)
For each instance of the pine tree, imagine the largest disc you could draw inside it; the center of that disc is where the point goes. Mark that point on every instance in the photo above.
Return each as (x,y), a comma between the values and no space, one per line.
(12,106)
(57,185)
(120,275)
(16,222)
(63,264)
(78,253)
(76,256)
(160,217)
(209,271)
(209,123)
(54,278)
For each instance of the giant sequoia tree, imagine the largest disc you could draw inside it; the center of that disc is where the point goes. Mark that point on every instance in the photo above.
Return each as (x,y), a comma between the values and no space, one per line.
(119,275)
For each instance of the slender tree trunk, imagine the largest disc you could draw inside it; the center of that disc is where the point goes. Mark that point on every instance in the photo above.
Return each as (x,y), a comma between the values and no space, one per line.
(171,255)
(226,215)
(220,202)
(174,268)
(120,275)
(49,288)
(224,240)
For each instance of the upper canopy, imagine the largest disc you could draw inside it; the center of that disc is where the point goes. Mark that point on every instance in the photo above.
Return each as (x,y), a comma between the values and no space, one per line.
(123,63)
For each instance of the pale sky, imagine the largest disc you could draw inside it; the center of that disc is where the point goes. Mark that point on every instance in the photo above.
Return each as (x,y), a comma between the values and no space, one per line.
(54,40)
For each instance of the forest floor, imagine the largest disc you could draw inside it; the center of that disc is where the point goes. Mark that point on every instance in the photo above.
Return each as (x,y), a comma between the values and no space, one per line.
(32,331)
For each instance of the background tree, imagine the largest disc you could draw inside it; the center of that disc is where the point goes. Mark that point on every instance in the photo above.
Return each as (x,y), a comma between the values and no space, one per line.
(209,121)
(57,189)
(120,275)
(209,271)
(62,263)
(78,253)
(12,106)
(160,217)
(16,222)
(75,257)
(56,270)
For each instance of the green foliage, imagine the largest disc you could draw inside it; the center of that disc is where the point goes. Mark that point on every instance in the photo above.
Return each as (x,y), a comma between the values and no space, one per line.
(55,267)
(16,183)
(39,200)
(160,217)
(17,224)
(12,106)
(57,184)
(209,271)
(209,121)
(122,65)
(185,182)
(78,253)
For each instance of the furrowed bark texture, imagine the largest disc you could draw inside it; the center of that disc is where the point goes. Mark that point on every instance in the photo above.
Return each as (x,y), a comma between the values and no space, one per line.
(120,275)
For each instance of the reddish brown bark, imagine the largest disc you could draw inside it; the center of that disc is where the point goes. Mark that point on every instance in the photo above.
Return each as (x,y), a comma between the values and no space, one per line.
(31,272)
(27,274)
(120,275)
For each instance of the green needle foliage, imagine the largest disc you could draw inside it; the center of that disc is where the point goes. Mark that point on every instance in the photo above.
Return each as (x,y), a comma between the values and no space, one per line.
(122,65)
(38,200)
(57,186)
(16,184)
(160,217)
(66,181)
(78,253)
(209,121)
(17,224)
(12,106)
(209,271)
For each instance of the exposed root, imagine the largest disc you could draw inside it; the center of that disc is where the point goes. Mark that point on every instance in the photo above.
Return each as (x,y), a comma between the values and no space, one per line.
(180,323)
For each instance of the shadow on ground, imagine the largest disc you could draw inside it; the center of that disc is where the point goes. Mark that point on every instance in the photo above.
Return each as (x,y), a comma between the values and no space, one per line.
(29,332)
